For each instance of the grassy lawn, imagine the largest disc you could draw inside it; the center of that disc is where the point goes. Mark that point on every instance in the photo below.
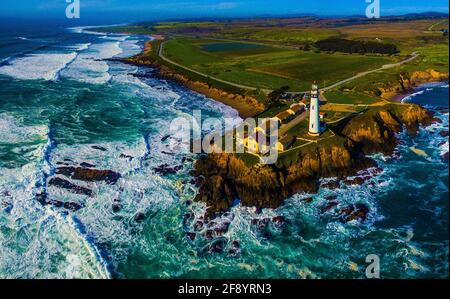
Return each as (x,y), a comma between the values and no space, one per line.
(300,130)
(284,35)
(341,97)
(431,57)
(267,67)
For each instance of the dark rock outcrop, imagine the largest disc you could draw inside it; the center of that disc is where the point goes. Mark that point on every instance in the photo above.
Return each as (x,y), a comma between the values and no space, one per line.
(224,177)
(165,169)
(89,175)
(61,183)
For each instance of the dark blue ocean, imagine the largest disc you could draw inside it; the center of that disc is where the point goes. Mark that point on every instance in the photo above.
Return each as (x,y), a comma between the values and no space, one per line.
(61,101)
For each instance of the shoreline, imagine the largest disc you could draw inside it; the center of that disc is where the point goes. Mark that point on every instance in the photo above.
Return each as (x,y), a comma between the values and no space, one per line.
(416,80)
(249,106)
(246,105)
(430,84)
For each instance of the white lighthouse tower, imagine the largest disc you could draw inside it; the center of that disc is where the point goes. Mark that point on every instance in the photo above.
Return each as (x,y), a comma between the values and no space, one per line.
(314,118)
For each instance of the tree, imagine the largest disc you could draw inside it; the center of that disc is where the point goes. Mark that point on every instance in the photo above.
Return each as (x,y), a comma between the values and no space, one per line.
(275,95)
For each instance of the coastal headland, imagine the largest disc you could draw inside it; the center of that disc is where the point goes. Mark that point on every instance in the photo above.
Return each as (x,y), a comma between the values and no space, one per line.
(262,72)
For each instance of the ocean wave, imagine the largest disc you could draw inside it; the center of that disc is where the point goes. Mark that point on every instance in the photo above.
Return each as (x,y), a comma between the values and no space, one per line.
(32,235)
(45,66)
(79,47)
(13,132)
(88,67)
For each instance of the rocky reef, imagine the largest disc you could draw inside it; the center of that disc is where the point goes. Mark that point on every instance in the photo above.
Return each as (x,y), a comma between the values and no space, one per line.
(224,178)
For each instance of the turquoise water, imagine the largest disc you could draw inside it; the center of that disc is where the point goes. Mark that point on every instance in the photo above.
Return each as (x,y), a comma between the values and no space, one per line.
(60,101)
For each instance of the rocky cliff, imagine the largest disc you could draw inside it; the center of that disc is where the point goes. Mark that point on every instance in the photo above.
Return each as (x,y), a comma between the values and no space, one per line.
(408,81)
(223,178)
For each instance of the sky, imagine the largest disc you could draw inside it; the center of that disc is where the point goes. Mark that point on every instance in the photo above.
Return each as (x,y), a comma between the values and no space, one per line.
(142,10)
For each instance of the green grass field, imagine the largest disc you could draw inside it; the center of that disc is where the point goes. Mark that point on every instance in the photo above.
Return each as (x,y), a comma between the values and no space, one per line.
(340,97)
(267,67)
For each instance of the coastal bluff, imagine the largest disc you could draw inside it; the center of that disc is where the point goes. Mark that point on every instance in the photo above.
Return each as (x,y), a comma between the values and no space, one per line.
(223,178)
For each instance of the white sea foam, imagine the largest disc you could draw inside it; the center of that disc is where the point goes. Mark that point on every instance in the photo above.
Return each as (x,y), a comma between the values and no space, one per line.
(88,66)
(79,47)
(44,66)
(32,235)
(12,132)
(129,48)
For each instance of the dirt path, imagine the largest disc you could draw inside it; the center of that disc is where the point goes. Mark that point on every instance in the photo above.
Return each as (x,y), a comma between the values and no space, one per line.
(414,55)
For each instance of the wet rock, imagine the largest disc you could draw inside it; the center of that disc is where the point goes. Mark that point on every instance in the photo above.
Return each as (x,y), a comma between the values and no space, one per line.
(55,203)
(328,206)
(126,157)
(261,223)
(89,175)
(139,217)
(87,165)
(377,171)
(355,181)
(331,185)
(72,206)
(437,120)
(6,206)
(308,199)
(187,159)
(222,229)
(100,148)
(187,218)
(279,221)
(198,225)
(116,207)
(211,224)
(209,234)
(331,197)
(354,212)
(444,157)
(41,198)
(443,133)
(191,235)
(61,183)
(218,245)
(165,169)
(235,249)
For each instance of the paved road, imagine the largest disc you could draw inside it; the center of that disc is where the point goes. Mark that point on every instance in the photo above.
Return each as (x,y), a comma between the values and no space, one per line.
(413,56)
